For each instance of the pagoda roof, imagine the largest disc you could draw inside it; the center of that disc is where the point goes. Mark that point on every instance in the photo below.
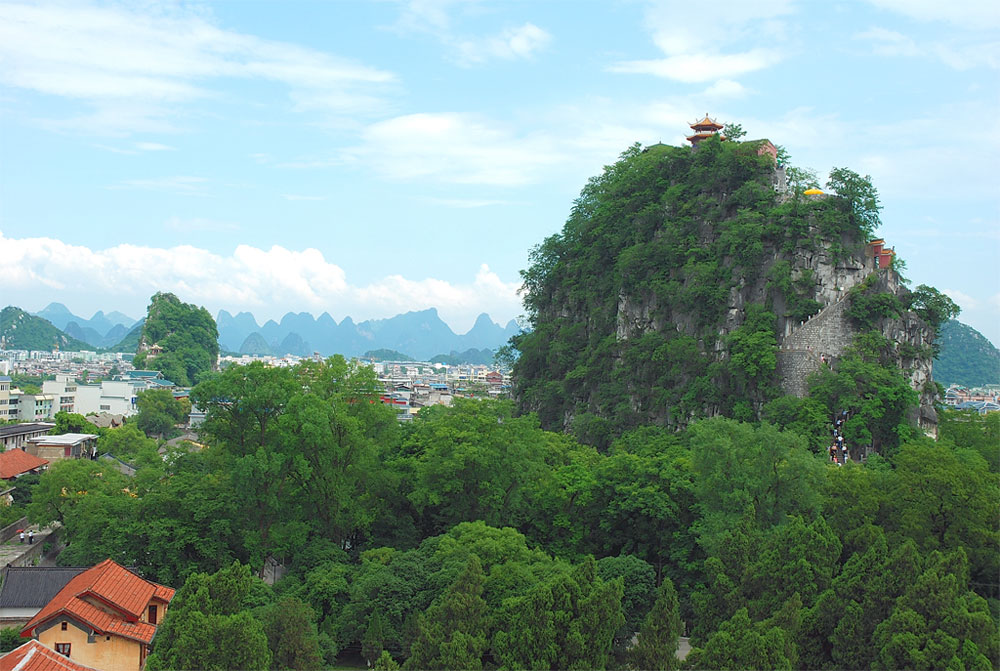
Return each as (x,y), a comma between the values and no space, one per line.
(706,123)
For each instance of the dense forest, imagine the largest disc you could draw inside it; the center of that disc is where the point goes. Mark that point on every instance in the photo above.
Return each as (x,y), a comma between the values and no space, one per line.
(187,334)
(473,538)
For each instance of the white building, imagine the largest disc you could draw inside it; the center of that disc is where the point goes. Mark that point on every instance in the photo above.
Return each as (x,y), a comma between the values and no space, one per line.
(117,397)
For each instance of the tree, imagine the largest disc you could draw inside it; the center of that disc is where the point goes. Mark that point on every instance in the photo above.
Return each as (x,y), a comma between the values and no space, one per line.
(452,632)
(290,627)
(126,442)
(158,412)
(373,642)
(208,626)
(69,422)
(934,307)
(733,131)
(860,198)
(68,482)
(656,647)
(738,466)
(10,638)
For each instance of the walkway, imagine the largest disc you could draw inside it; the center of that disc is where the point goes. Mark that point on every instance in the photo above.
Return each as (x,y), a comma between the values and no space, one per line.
(13,551)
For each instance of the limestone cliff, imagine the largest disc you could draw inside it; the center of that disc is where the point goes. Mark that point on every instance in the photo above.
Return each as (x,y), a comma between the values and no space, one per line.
(683,285)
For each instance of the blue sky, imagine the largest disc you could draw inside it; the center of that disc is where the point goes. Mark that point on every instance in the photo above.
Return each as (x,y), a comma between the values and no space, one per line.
(366,159)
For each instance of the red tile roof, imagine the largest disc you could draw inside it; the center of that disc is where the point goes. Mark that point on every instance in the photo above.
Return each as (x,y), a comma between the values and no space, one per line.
(33,656)
(15,462)
(115,587)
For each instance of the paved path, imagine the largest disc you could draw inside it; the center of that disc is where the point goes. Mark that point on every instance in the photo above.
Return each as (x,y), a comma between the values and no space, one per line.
(14,548)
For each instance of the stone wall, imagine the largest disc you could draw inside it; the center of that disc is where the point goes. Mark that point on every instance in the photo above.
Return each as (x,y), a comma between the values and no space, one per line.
(826,334)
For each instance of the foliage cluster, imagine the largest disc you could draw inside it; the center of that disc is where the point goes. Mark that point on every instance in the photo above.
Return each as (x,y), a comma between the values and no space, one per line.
(187,334)
(473,538)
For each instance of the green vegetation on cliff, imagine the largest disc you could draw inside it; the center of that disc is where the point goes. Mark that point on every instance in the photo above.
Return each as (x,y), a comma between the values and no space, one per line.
(966,357)
(187,334)
(21,330)
(661,299)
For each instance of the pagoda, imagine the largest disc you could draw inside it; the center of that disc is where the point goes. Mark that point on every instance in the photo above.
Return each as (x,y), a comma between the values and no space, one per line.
(703,130)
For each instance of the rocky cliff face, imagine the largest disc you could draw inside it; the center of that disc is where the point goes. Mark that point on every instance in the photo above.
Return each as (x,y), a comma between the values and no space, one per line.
(681,287)
(804,346)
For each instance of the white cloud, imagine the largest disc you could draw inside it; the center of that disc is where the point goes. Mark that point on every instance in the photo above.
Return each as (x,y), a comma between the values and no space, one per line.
(970,15)
(268,282)
(182,185)
(438,19)
(956,53)
(454,148)
(701,66)
(725,88)
(889,42)
(152,146)
(712,49)
(134,68)
(965,301)
(514,43)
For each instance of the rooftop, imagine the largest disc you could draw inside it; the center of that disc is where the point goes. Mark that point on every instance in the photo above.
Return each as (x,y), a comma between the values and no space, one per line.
(64,439)
(15,462)
(118,589)
(33,656)
(34,586)
(21,429)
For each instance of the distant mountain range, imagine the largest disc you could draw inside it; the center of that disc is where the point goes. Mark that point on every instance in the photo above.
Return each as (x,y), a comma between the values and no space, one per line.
(421,334)
(967,357)
(100,331)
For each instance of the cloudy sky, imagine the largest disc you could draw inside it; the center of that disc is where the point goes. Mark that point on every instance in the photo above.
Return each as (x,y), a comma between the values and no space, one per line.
(366,159)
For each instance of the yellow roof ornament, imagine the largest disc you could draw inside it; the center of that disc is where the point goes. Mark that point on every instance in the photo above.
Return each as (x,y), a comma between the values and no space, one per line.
(812,192)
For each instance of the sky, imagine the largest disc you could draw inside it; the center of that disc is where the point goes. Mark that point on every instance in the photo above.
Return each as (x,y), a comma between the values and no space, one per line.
(371,158)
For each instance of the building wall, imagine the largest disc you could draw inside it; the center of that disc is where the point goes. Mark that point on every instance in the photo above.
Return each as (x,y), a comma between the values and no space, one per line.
(116,654)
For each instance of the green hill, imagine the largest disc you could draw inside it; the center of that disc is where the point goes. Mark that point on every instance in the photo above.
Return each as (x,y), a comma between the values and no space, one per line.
(470,356)
(676,276)
(130,343)
(384,354)
(21,330)
(187,335)
(966,357)
(255,344)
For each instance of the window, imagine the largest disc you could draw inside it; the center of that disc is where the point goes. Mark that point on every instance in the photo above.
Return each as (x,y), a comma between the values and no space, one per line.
(63,648)
(152,614)
(64,626)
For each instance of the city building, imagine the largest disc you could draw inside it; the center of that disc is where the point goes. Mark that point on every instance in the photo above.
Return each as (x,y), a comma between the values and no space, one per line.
(65,446)
(105,617)
(14,436)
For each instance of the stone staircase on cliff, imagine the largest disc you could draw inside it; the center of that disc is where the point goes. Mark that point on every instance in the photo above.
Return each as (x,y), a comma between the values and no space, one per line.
(801,351)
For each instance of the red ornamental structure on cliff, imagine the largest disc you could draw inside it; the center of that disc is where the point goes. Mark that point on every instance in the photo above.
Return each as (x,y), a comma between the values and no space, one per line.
(703,130)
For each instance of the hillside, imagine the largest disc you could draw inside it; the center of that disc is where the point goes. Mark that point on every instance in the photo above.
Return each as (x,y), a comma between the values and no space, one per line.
(966,357)
(129,343)
(21,330)
(678,275)
(187,335)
